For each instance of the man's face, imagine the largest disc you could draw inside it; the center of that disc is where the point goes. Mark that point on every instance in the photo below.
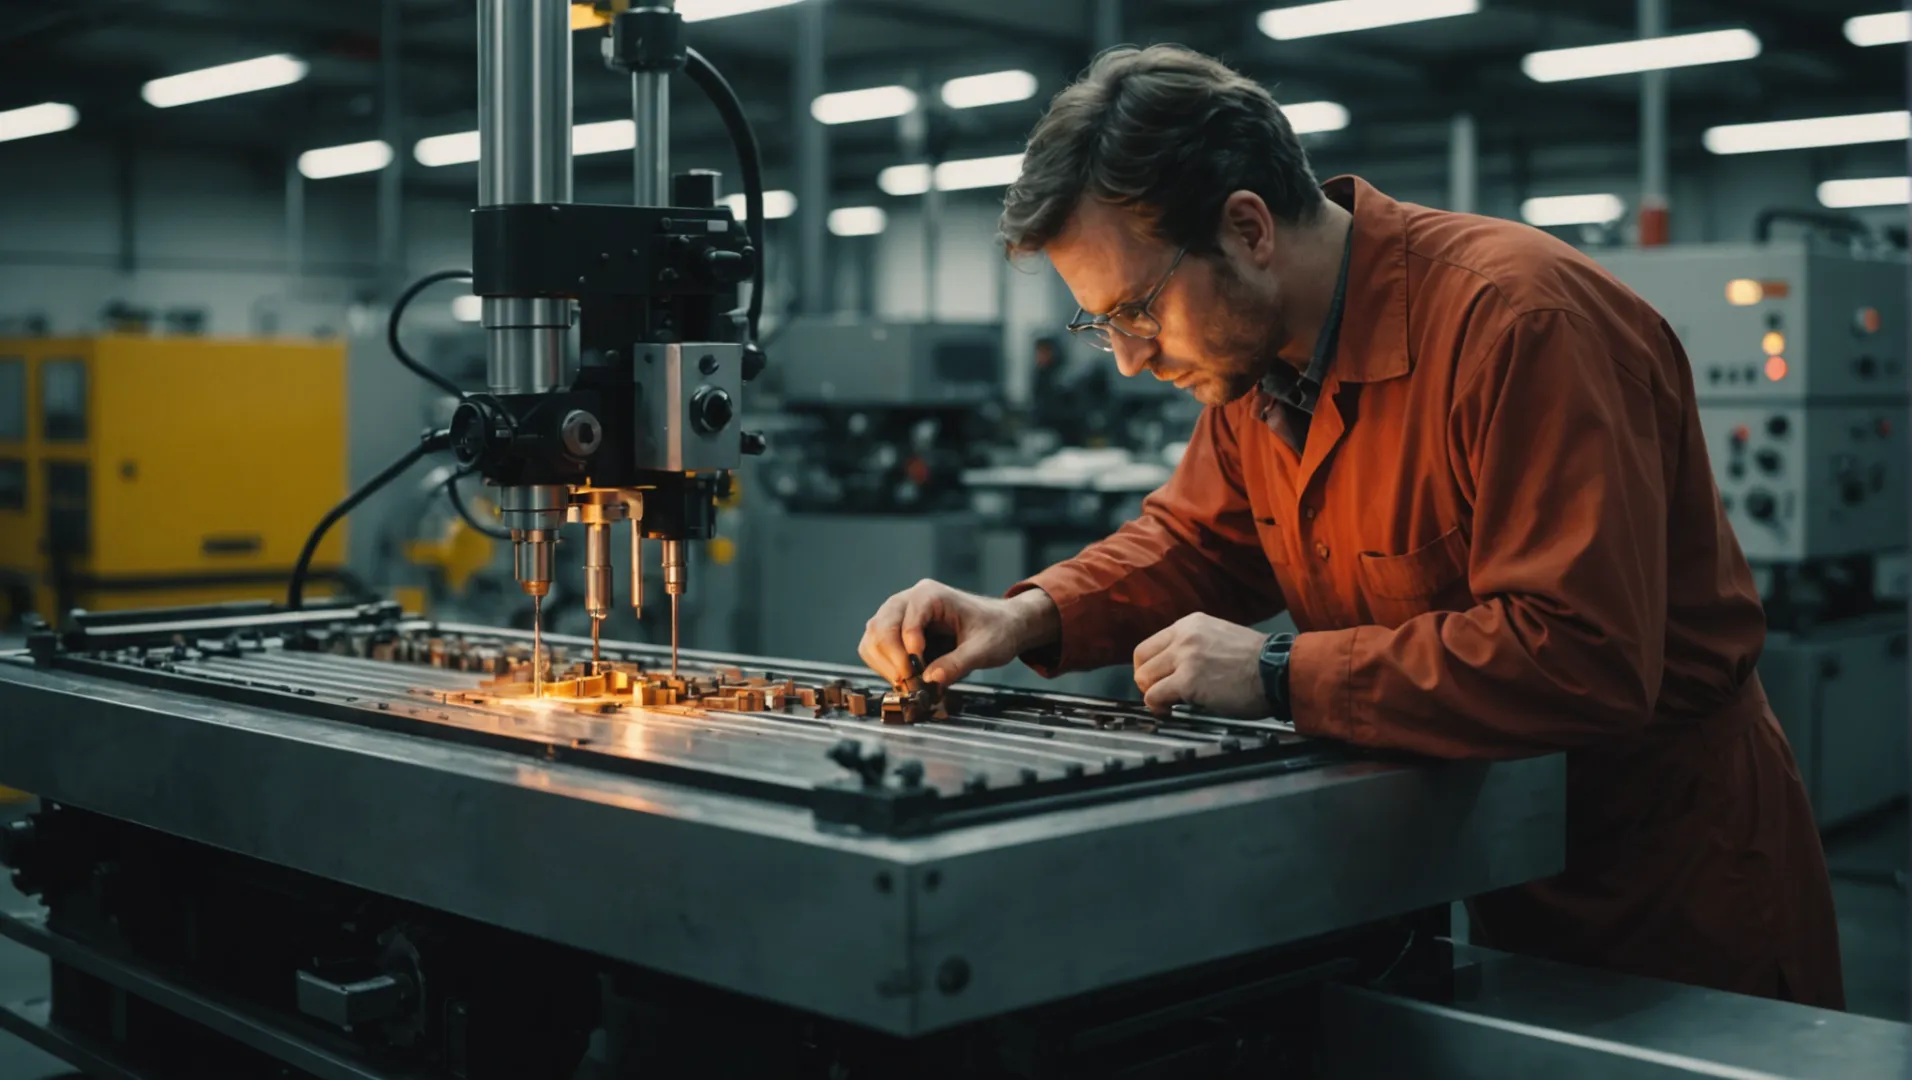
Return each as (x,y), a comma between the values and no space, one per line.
(1220,330)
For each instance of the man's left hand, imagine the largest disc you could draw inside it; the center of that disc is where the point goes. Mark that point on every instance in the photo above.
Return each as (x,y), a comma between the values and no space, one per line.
(1205,662)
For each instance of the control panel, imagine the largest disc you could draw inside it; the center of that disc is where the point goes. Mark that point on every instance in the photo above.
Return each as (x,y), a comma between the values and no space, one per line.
(1778,322)
(1812,482)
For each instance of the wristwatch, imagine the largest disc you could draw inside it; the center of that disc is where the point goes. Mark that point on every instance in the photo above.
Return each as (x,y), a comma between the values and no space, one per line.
(1274,675)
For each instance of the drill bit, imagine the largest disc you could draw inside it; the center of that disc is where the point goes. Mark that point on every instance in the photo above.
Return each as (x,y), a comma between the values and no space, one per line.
(673,635)
(597,625)
(537,646)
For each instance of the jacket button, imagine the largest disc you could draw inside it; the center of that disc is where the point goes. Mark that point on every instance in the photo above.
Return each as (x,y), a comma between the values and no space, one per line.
(1307,513)
(1321,549)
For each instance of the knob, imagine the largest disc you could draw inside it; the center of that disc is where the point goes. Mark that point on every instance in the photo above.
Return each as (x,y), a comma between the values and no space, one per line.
(710,410)
(582,433)
(1768,460)
(753,443)
(1778,426)
(1852,491)
(727,267)
(1867,367)
(1760,505)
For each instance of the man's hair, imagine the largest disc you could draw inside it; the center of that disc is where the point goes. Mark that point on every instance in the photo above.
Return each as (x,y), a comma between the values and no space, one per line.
(1163,130)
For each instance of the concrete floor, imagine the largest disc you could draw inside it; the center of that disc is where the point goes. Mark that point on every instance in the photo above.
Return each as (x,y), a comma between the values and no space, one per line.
(1872,932)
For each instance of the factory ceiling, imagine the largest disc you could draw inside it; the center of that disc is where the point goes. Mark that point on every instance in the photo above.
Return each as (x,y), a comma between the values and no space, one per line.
(1400,84)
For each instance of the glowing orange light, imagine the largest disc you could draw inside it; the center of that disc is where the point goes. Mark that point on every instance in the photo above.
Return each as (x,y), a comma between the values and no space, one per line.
(1868,320)
(1742,433)
(1743,292)
(1774,343)
(1775,368)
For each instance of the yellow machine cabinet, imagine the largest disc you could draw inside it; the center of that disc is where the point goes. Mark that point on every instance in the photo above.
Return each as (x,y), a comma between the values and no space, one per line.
(153,472)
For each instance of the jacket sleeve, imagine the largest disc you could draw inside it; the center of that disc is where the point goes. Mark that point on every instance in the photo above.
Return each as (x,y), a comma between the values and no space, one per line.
(1555,435)
(1194,548)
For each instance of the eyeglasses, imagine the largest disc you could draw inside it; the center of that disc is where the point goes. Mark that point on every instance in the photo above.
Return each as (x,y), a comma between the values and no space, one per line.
(1130,320)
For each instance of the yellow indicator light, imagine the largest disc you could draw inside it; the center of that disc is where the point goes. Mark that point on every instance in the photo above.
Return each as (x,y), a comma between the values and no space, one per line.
(1743,292)
(1774,343)
(1775,368)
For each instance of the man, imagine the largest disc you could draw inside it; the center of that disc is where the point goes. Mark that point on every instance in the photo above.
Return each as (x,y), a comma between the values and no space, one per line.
(1468,462)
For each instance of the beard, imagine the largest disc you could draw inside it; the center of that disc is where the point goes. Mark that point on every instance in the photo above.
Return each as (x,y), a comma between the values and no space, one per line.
(1242,341)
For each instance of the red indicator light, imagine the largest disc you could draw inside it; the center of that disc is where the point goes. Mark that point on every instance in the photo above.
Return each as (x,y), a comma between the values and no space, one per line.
(1775,368)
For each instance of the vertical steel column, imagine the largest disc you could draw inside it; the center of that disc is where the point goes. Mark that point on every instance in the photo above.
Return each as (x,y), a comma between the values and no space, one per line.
(813,158)
(1463,164)
(1654,204)
(651,111)
(1108,24)
(524,141)
(294,220)
(391,179)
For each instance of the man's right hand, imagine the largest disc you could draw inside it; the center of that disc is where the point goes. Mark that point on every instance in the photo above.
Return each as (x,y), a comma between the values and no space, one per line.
(988,632)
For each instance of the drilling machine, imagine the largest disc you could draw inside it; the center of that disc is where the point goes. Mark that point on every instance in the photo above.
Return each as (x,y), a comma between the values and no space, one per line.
(639,424)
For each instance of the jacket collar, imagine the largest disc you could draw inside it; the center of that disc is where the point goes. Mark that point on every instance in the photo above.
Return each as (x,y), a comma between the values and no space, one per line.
(1373,342)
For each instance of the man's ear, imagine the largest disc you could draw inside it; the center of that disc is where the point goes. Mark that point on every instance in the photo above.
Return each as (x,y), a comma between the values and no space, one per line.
(1247,225)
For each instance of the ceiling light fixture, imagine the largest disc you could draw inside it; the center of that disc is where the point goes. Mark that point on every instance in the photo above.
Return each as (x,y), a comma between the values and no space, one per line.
(1805,134)
(1315,117)
(993,88)
(1645,54)
(776,204)
(458,148)
(858,220)
(874,103)
(1866,191)
(1885,28)
(331,161)
(225,80)
(43,119)
(702,10)
(1553,210)
(1341,16)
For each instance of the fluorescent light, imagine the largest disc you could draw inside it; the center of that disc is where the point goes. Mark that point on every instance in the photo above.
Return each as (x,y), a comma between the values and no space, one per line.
(603,137)
(358,157)
(699,10)
(776,204)
(468,308)
(995,88)
(458,148)
(959,175)
(858,220)
(1804,134)
(44,119)
(1645,54)
(1885,28)
(1572,210)
(904,179)
(875,103)
(1313,117)
(1870,191)
(1340,16)
(998,171)
(225,80)
(461,147)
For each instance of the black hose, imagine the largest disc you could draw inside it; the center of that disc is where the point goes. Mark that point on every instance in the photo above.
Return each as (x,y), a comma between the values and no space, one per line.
(731,109)
(1839,224)
(398,313)
(430,442)
(496,532)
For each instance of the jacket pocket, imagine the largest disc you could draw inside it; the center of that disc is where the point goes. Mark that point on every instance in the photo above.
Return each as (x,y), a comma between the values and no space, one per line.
(1273,543)
(1399,587)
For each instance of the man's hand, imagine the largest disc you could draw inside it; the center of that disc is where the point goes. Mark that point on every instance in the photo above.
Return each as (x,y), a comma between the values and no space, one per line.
(1205,662)
(987,632)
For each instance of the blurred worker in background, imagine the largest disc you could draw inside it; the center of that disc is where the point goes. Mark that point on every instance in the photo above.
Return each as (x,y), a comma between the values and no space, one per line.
(1468,462)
